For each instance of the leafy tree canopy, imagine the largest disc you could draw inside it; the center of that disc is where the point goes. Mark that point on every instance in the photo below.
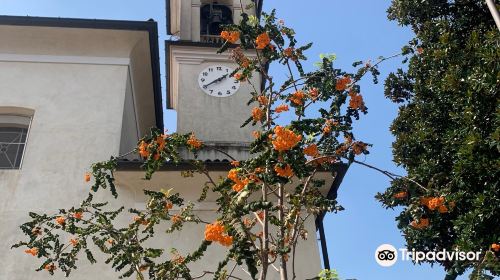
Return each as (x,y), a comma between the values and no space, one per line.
(447,132)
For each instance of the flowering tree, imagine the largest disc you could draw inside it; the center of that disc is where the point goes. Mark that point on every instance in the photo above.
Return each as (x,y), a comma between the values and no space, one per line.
(447,133)
(260,234)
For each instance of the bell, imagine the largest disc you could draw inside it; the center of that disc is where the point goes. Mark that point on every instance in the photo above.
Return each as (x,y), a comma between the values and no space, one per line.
(216,16)
(212,17)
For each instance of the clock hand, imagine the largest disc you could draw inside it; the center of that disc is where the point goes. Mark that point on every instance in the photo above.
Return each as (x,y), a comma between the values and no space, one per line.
(216,81)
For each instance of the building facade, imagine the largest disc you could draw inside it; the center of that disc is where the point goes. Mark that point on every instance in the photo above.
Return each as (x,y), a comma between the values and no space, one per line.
(74,92)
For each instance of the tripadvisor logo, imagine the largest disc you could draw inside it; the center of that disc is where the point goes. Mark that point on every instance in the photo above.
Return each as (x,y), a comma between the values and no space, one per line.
(386,255)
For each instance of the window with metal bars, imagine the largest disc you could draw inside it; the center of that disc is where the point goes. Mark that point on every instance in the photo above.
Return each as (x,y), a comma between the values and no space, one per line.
(13,136)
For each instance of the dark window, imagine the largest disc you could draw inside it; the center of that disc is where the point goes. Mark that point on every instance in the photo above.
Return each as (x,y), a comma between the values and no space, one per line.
(213,17)
(13,135)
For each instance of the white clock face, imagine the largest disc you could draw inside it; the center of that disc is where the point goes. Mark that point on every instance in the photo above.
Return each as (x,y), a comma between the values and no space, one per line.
(216,80)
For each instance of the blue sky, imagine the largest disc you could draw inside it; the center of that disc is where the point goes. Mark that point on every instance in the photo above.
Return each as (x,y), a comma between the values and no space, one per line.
(354,30)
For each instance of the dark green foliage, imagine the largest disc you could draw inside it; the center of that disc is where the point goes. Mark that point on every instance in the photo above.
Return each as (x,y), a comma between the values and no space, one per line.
(447,131)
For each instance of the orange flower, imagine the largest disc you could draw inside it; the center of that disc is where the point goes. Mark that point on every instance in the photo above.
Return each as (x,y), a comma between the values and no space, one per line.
(247,222)
(281,108)
(238,184)
(258,170)
(161,142)
(286,172)
(261,215)
(176,219)
(256,134)
(178,259)
(311,150)
(262,100)
(422,223)
(435,202)
(235,163)
(257,114)
(169,205)
(297,98)
(233,175)
(425,200)
(193,142)
(420,50)
(141,220)
(156,156)
(358,147)
(230,36)
(33,251)
(495,247)
(342,83)
(143,149)
(314,93)
(111,241)
(61,220)
(216,233)
(442,209)
(328,126)
(288,52)
(78,215)
(400,195)
(73,241)
(262,41)
(356,101)
(87,177)
(245,62)
(239,77)
(285,139)
(50,267)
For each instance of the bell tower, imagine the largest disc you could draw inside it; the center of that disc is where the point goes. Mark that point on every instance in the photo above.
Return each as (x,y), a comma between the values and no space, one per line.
(208,100)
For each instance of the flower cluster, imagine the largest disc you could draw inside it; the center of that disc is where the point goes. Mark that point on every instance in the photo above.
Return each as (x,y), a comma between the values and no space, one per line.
(230,36)
(145,149)
(358,147)
(311,150)
(281,108)
(286,172)
(433,203)
(327,129)
(495,247)
(420,224)
(262,100)
(257,114)
(193,142)
(32,251)
(262,41)
(297,98)
(238,183)
(343,83)
(285,139)
(400,195)
(356,101)
(215,232)
(78,215)
(61,220)
(50,267)
(87,177)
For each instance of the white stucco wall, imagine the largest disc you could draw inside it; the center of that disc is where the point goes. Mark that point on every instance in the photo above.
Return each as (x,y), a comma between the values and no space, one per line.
(308,262)
(77,121)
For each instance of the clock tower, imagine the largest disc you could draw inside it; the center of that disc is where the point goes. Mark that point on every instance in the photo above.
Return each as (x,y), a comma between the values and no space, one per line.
(208,100)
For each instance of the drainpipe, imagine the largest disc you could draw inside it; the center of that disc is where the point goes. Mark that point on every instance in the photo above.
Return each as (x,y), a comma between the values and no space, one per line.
(322,239)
